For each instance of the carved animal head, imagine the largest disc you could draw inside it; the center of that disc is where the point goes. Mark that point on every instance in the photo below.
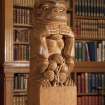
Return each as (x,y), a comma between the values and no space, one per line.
(50,10)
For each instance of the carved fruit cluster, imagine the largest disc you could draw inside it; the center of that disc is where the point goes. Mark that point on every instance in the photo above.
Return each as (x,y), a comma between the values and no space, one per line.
(57,71)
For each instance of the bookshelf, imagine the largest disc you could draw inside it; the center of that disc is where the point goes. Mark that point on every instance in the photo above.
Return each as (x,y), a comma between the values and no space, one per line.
(22,24)
(14,44)
(22,12)
(20,88)
(89,22)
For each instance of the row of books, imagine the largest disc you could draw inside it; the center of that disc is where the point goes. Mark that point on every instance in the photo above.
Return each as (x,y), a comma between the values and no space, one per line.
(20,81)
(91,100)
(90,8)
(91,83)
(90,28)
(24,3)
(21,52)
(20,100)
(90,51)
(22,16)
(21,35)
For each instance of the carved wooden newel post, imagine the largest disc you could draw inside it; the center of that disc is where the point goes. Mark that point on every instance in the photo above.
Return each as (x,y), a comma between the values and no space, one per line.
(52,56)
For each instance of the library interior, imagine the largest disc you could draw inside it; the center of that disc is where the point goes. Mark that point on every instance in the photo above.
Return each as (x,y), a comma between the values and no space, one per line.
(83,31)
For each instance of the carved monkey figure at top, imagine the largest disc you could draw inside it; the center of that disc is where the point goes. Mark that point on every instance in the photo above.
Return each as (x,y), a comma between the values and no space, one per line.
(52,44)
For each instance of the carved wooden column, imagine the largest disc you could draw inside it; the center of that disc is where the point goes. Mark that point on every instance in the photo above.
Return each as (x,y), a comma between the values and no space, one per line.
(52,56)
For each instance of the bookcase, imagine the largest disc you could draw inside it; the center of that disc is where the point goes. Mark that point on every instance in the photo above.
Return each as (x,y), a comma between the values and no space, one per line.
(87,20)
(89,26)
(14,44)
(22,24)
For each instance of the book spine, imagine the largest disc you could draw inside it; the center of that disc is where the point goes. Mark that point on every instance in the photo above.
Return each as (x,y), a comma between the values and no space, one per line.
(79,83)
(20,81)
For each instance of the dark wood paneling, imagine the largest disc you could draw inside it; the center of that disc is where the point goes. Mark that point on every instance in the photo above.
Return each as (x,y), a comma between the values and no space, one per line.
(1,32)
(1,87)
(1,52)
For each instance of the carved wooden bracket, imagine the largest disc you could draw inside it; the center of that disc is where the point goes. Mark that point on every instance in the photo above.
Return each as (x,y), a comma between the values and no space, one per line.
(52,44)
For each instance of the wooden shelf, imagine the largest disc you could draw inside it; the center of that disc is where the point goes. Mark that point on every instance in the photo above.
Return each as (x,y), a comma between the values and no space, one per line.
(23,67)
(24,7)
(19,92)
(17,67)
(89,39)
(22,25)
(89,67)
(89,94)
(90,17)
(25,43)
